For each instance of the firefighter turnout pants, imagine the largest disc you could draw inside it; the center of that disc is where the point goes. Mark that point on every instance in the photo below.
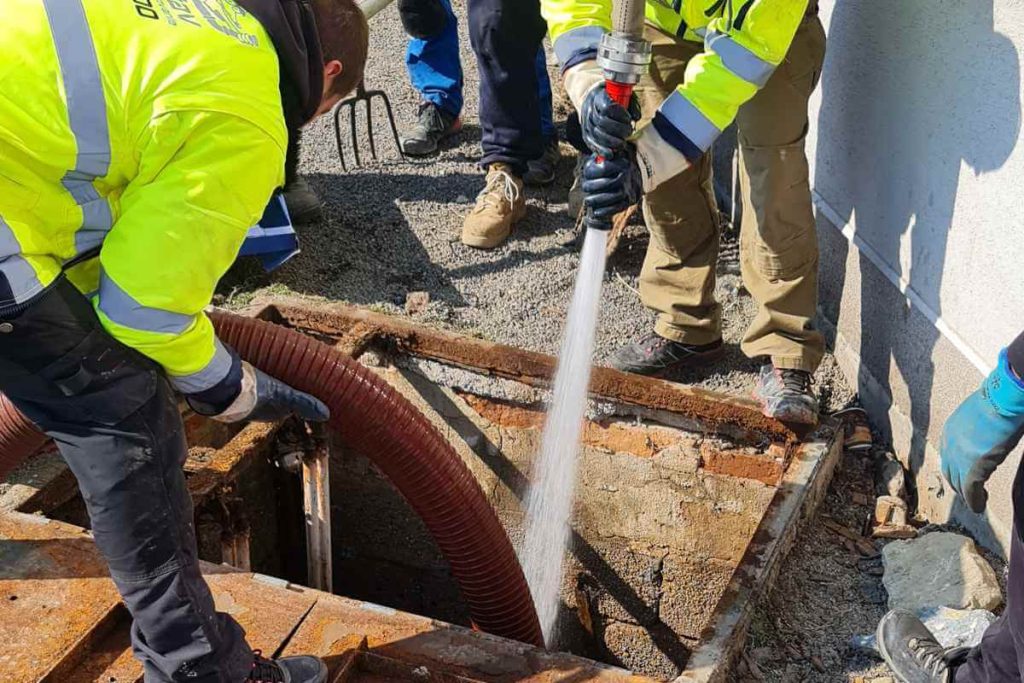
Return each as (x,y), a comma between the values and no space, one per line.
(778,242)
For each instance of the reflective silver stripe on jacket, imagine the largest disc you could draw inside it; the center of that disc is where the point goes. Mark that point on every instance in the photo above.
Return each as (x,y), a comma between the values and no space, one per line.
(688,120)
(21,276)
(739,59)
(577,40)
(87,116)
(216,370)
(123,309)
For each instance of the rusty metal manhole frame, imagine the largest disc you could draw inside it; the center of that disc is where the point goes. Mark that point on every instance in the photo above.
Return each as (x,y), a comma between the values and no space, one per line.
(801,484)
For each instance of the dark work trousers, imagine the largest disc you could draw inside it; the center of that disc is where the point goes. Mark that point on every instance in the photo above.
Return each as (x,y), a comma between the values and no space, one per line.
(999,658)
(291,159)
(115,419)
(505,35)
(1015,354)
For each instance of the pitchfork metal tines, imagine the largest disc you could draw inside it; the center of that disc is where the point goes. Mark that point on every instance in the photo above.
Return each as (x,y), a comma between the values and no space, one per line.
(350,107)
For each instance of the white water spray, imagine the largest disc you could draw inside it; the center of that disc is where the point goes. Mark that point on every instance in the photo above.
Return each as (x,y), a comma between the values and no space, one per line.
(550,499)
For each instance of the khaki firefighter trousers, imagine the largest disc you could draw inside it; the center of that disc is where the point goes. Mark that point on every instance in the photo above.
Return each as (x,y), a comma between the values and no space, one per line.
(778,241)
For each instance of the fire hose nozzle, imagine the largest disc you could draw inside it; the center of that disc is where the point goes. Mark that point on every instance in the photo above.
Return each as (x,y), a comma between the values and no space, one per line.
(623,58)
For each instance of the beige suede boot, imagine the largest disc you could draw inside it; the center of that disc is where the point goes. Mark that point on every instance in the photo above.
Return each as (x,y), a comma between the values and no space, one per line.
(498,207)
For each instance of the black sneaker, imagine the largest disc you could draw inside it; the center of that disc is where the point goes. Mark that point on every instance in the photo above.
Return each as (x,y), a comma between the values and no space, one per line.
(912,652)
(302,669)
(432,126)
(303,205)
(541,171)
(654,355)
(787,395)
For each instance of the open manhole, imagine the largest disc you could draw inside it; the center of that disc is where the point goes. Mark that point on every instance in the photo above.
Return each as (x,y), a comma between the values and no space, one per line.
(686,503)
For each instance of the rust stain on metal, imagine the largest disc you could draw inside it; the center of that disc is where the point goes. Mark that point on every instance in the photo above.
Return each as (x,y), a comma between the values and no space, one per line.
(204,431)
(335,626)
(54,591)
(209,468)
(219,454)
(532,368)
(55,493)
(356,340)
(110,660)
(267,612)
(767,467)
(640,440)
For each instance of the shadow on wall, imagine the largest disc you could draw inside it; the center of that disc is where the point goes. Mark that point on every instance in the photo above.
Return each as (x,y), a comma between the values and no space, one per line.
(911,91)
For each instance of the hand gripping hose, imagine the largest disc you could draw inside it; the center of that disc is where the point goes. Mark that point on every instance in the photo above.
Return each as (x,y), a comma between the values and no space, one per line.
(373,419)
(623,54)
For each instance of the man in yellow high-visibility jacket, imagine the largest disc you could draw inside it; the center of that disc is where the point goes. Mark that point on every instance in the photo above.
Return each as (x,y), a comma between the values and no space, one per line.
(714,61)
(139,140)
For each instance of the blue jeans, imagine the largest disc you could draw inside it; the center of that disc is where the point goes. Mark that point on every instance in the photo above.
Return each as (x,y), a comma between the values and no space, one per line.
(436,72)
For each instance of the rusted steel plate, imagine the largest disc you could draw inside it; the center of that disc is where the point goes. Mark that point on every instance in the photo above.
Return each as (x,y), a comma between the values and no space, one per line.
(335,626)
(218,455)
(110,660)
(209,468)
(54,591)
(267,609)
(366,667)
(536,369)
(61,618)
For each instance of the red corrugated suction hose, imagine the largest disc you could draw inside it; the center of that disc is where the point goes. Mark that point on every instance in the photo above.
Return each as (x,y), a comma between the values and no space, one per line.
(19,438)
(369,416)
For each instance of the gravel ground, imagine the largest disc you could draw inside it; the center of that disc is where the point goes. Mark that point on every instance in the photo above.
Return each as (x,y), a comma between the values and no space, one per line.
(825,594)
(392,228)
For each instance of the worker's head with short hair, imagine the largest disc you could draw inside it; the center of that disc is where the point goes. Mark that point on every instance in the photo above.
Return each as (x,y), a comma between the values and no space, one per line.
(344,40)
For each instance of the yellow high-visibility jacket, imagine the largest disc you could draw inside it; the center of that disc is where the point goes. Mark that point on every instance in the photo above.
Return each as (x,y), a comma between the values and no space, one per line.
(150,131)
(744,41)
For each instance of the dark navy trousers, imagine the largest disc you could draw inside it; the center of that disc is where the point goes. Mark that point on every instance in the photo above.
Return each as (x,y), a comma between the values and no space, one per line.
(999,658)
(115,419)
(506,35)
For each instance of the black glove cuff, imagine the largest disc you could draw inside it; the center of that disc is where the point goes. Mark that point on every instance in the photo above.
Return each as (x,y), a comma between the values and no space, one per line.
(216,399)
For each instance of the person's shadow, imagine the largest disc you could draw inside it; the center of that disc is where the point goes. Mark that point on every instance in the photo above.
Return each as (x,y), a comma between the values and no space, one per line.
(912,91)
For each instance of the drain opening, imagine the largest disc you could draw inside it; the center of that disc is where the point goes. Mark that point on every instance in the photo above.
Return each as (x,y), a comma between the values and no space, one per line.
(656,536)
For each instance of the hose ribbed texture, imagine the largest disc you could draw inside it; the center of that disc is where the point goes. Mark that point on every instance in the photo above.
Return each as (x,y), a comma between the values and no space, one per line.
(19,438)
(373,419)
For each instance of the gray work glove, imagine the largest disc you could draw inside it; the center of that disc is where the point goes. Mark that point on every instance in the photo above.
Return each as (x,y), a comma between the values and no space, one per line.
(262,398)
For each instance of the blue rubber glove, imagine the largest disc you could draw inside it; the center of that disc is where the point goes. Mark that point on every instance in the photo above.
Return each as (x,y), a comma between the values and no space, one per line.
(605,124)
(981,433)
(610,186)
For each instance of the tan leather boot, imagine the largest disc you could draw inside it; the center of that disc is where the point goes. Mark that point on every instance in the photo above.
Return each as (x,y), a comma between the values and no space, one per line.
(498,207)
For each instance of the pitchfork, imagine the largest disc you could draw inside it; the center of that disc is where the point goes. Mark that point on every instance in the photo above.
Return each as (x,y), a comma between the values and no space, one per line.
(363,95)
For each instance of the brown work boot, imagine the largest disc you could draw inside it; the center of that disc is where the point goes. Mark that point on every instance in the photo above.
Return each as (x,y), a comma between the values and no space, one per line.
(498,207)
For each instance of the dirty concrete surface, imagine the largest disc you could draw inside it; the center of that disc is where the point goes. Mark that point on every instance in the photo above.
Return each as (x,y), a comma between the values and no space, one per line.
(392,228)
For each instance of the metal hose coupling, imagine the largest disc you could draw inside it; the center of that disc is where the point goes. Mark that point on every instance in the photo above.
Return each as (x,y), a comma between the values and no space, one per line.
(623,53)
(624,58)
